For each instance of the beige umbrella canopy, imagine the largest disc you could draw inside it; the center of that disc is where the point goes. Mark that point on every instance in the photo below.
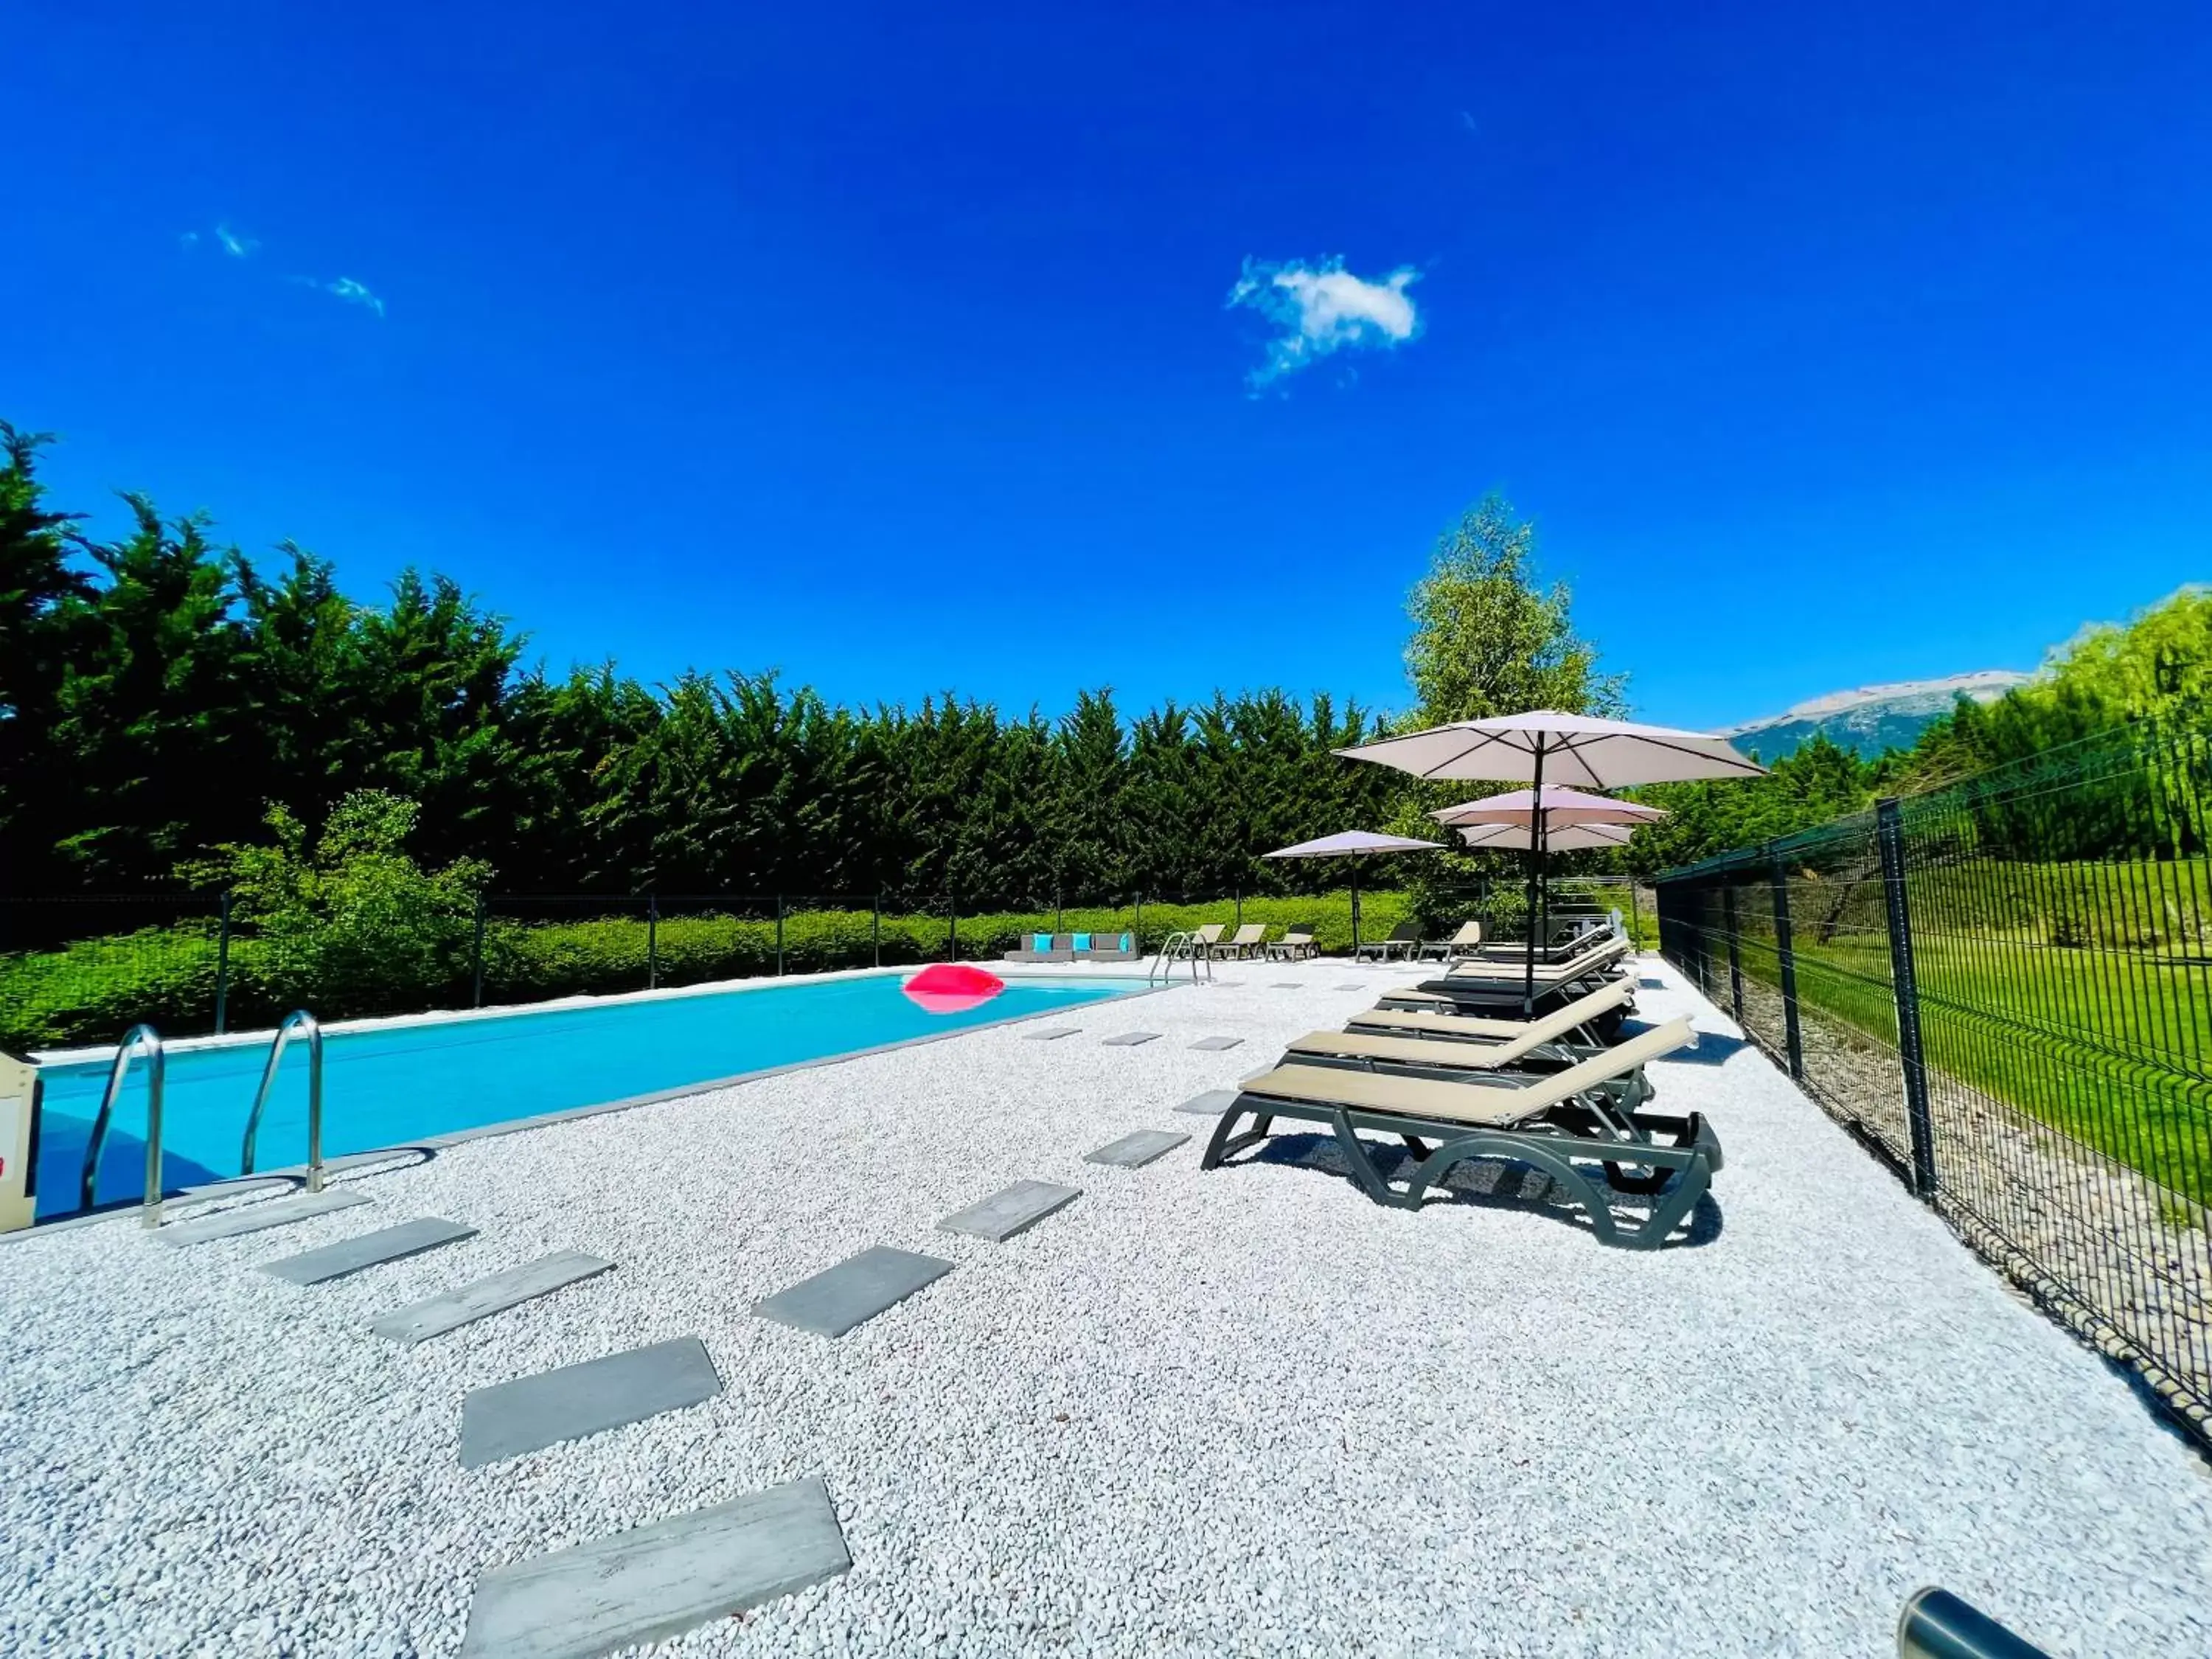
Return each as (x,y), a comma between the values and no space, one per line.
(1560,806)
(1352,844)
(1584,751)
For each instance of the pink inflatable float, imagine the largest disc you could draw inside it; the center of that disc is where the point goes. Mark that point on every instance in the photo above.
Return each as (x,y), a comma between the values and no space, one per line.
(952,987)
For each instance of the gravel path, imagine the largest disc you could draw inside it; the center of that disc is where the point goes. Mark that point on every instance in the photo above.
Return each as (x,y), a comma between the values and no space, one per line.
(1245,1411)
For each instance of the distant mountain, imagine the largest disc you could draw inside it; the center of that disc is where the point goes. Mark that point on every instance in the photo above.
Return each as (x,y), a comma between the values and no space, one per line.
(1873,717)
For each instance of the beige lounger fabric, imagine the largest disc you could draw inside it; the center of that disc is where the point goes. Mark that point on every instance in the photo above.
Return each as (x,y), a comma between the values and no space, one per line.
(1486,1105)
(1588,1008)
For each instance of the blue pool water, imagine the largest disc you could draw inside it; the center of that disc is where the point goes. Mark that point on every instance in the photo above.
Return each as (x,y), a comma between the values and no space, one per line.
(388,1087)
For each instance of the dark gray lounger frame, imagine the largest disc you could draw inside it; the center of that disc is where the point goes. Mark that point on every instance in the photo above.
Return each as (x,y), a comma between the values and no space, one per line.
(1644,1153)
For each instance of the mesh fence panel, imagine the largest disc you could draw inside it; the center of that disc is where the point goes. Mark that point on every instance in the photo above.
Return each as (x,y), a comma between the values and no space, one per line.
(2053,921)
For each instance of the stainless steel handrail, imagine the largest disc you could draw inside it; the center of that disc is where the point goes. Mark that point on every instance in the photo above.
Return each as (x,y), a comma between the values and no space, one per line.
(1937,1625)
(299,1020)
(137,1038)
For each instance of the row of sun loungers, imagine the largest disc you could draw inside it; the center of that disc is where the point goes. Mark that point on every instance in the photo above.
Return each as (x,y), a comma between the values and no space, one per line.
(1556,1092)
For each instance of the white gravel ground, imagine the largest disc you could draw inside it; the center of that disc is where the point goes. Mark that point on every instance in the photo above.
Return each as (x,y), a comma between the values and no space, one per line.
(1242,1411)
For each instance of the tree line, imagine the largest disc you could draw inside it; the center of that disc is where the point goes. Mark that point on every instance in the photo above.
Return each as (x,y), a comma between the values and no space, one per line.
(159,694)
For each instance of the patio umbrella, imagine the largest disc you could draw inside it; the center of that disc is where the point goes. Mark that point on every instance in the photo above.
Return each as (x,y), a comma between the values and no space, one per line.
(1560,838)
(1352,844)
(1561,806)
(1583,750)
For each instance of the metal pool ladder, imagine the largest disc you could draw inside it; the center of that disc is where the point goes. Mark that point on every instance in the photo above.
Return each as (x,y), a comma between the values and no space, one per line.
(137,1039)
(1181,946)
(299,1020)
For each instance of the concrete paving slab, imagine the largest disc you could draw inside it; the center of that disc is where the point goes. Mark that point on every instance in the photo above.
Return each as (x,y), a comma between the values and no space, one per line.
(1051,1035)
(259,1217)
(1134,1151)
(350,1256)
(1216,1044)
(532,1412)
(1003,1214)
(1283,985)
(1213,1103)
(1131,1039)
(1354,985)
(657,1580)
(420,1321)
(856,1291)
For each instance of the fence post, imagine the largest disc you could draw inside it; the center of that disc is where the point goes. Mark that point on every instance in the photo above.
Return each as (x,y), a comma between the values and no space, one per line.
(1889,839)
(1240,905)
(223,967)
(476,996)
(876,927)
(1635,916)
(1735,956)
(952,914)
(778,935)
(1786,948)
(651,940)
(1137,937)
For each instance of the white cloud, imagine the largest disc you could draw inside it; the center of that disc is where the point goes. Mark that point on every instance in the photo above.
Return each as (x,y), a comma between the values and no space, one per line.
(346,288)
(232,243)
(1321,308)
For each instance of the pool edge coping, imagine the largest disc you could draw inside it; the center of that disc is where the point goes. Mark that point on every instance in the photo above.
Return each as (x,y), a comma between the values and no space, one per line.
(294,1174)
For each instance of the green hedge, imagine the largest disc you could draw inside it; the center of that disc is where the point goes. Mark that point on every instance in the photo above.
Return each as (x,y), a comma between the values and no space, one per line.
(92,991)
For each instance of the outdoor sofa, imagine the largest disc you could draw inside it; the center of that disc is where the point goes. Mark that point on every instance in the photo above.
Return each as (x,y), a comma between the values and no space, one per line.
(1075,947)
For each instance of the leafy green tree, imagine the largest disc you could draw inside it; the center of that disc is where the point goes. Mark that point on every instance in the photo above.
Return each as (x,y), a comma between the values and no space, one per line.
(1489,640)
(347,917)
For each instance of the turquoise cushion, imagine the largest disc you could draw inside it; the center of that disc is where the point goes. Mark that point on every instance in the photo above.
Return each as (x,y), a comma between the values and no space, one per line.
(1124,941)
(1040,941)
(1083,941)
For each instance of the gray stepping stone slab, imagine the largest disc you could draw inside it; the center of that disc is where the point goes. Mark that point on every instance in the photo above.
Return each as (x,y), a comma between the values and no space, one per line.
(856,1291)
(259,1217)
(350,1256)
(657,1580)
(1131,1039)
(1354,985)
(1051,1035)
(1285,985)
(420,1321)
(1213,1103)
(1216,1044)
(532,1412)
(1003,1214)
(1134,1151)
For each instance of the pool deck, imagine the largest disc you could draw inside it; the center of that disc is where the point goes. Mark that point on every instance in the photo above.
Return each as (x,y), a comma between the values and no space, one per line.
(1238,1410)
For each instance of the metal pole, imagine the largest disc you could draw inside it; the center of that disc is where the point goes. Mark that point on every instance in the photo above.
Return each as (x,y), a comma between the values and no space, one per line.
(1736,955)
(1240,904)
(778,935)
(651,940)
(1937,1625)
(876,927)
(150,1212)
(1635,916)
(1055,909)
(1138,935)
(952,912)
(222,967)
(1535,878)
(1889,838)
(1786,949)
(476,999)
(1355,909)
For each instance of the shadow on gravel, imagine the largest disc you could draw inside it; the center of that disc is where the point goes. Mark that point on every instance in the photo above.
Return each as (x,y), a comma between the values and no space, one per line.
(1490,1184)
(1714,1048)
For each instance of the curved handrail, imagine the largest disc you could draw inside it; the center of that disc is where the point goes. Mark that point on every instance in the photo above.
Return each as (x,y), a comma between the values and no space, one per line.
(298,1020)
(138,1038)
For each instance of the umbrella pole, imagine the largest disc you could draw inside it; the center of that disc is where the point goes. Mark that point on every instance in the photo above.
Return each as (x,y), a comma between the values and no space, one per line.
(1355,909)
(1535,886)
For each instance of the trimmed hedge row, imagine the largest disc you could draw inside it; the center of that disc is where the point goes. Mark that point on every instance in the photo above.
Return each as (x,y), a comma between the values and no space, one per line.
(92,991)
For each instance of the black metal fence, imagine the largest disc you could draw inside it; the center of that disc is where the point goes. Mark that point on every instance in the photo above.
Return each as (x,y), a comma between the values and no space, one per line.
(2004,989)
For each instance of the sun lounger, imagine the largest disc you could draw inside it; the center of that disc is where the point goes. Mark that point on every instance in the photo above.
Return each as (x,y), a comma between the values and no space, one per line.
(1244,942)
(1464,943)
(1556,1123)
(1405,937)
(1295,943)
(1208,939)
(1590,1018)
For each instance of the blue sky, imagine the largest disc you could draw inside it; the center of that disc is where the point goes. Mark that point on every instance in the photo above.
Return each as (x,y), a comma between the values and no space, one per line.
(895,347)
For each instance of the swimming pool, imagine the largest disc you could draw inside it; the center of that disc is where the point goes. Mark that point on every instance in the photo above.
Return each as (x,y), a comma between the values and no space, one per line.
(391,1085)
